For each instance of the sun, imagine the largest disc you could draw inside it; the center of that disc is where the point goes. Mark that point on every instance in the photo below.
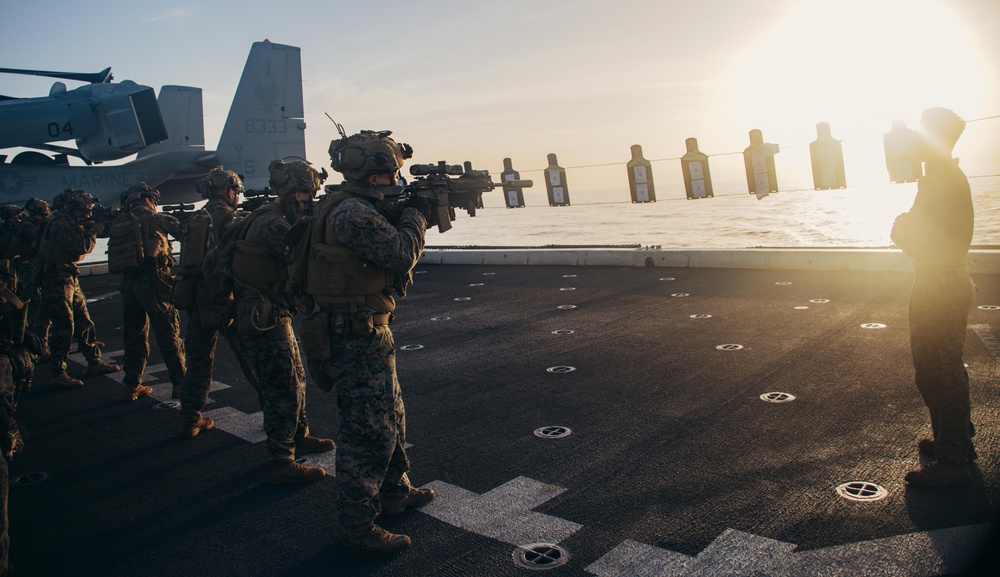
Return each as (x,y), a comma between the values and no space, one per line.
(856,64)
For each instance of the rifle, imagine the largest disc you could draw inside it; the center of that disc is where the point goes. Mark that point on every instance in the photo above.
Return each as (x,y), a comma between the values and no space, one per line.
(181,211)
(254,199)
(102,216)
(434,183)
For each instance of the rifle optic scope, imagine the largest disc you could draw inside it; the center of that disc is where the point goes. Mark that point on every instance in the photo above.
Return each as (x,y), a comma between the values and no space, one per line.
(440,168)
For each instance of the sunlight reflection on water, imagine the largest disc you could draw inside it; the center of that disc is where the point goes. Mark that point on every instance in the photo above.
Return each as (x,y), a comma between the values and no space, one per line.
(851,217)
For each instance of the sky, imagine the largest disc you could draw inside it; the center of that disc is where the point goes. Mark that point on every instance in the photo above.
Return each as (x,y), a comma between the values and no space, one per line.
(584,79)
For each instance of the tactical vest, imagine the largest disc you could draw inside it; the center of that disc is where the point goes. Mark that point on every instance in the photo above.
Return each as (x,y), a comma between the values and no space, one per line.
(51,251)
(125,244)
(253,266)
(336,277)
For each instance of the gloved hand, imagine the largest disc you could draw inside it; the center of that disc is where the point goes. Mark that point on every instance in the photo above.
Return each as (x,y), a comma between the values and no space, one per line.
(419,203)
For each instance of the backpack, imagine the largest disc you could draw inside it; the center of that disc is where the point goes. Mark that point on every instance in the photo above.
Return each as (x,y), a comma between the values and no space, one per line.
(198,238)
(125,252)
(307,233)
(217,265)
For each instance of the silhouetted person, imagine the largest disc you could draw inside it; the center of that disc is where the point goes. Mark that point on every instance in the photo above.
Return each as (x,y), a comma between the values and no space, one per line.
(937,232)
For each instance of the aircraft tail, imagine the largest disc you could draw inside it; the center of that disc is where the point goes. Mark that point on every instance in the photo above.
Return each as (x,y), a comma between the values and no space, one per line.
(266,120)
(181,108)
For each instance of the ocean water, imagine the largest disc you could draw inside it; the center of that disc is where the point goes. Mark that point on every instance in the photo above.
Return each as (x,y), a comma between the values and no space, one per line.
(856,217)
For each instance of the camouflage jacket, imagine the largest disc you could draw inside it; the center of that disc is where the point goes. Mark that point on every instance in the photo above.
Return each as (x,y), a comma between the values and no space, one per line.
(222,216)
(157,229)
(68,240)
(360,227)
(25,236)
(268,230)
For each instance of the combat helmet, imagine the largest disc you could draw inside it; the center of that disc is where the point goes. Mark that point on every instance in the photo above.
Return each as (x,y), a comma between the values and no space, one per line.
(218,182)
(137,192)
(360,155)
(37,207)
(288,176)
(74,199)
(11,213)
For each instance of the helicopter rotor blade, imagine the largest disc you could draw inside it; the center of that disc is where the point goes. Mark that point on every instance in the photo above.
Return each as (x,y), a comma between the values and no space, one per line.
(102,77)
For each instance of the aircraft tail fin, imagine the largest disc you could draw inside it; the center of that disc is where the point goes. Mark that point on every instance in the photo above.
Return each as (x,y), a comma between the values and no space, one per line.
(266,120)
(183,117)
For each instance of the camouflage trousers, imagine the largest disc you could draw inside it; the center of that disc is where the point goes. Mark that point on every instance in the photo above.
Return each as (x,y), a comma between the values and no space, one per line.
(66,308)
(7,392)
(4,535)
(273,356)
(200,344)
(145,304)
(940,302)
(371,458)
(38,323)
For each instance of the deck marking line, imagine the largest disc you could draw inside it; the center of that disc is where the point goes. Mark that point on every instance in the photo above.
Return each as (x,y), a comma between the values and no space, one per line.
(943,551)
(504,513)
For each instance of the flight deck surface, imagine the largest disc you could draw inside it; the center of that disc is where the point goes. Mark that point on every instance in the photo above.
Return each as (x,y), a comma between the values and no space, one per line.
(595,421)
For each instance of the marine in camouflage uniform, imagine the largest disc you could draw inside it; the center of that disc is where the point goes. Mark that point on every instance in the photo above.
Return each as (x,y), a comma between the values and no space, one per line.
(264,335)
(937,233)
(223,189)
(146,295)
(67,236)
(12,216)
(19,349)
(372,463)
(26,247)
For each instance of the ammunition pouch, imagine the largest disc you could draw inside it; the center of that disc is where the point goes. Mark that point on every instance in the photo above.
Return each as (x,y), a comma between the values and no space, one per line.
(253,265)
(357,324)
(255,315)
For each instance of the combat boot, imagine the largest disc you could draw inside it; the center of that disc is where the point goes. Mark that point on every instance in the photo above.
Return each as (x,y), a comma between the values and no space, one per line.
(283,472)
(372,540)
(393,505)
(61,379)
(189,430)
(926,446)
(938,474)
(99,367)
(309,445)
(134,392)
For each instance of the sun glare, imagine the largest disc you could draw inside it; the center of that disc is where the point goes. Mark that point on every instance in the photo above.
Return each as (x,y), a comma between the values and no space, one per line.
(856,64)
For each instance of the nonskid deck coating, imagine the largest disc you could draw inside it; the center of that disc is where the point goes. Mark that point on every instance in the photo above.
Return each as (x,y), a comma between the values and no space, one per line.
(675,465)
